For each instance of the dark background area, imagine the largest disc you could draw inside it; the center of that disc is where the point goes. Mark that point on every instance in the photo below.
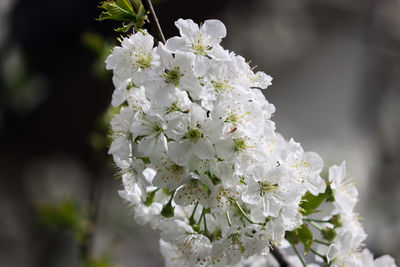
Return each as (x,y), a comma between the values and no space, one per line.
(336,69)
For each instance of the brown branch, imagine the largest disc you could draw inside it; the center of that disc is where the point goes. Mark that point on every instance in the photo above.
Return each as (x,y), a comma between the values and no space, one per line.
(280,256)
(155,26)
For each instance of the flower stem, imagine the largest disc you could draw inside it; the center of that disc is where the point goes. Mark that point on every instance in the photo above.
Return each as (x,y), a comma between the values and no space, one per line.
(298,255)
(316,225)
(318,254)
(191,218)
(322,242)
(243,213)
(228,218)
(205,221)
(315,220)
(203,212)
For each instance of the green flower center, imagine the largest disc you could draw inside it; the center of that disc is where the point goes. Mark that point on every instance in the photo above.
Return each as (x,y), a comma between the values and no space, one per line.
(193,134)
(174,107)
(219,86)
(157,128)
(266,187)
(199,48)
(144,60)
(232,118)
(173,76)
(240,144)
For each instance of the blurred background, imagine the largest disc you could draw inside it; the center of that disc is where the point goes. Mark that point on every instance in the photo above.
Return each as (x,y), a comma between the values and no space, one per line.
(336,87)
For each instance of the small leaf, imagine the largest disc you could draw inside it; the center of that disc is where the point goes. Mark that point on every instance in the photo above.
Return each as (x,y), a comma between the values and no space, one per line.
(329,194)
(311,203)
(305,236)
(292,237)
(141,16)
(117,10)
(122,10)
(125,27)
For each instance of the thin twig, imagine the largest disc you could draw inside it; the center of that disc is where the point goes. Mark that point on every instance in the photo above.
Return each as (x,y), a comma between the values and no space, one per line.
(155,26)
(280,256)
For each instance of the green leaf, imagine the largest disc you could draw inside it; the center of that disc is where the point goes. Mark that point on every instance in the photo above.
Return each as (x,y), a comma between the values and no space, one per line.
(305,236)
(125,27)
(117,10)
(329,194)
(310,203)
(302,234)
(292,237)
(141,16)
(122,10)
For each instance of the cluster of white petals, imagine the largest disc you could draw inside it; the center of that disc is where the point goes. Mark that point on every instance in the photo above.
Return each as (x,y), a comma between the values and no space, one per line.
(347,248)
(200,159)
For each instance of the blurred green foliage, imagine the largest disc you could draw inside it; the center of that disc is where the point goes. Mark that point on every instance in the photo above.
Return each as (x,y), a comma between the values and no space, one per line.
(65,215)
(68,215)
(102,261)
(101,49)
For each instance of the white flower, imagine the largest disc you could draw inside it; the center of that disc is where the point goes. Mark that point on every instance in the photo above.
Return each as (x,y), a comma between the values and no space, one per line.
(150,132)
(122,137)
(305,167)
(136,98)
(175,71)
(168,173)
(348,240)
(344,190)
(194,190)
(135,52)
(191,134)
(194,247)
(269,190)
(203,41)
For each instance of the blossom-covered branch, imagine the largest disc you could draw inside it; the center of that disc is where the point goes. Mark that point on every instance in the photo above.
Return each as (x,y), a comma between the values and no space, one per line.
(201,161)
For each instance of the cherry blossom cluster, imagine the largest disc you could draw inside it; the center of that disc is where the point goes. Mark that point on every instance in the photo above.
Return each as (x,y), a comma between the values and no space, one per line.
(201,162)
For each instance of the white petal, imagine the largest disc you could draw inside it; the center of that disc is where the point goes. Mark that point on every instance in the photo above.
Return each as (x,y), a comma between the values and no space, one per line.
(187,28)
(179,152)
(215,29)
(176,44)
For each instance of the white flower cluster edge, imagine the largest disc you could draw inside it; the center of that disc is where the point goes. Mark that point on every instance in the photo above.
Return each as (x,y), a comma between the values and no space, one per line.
(200,159)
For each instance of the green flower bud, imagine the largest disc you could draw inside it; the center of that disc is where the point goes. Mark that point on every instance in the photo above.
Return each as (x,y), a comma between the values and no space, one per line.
(336,220)
(167,210)
(328,234)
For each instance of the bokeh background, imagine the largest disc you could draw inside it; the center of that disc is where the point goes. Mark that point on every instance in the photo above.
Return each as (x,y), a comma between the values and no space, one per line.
(336,87)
